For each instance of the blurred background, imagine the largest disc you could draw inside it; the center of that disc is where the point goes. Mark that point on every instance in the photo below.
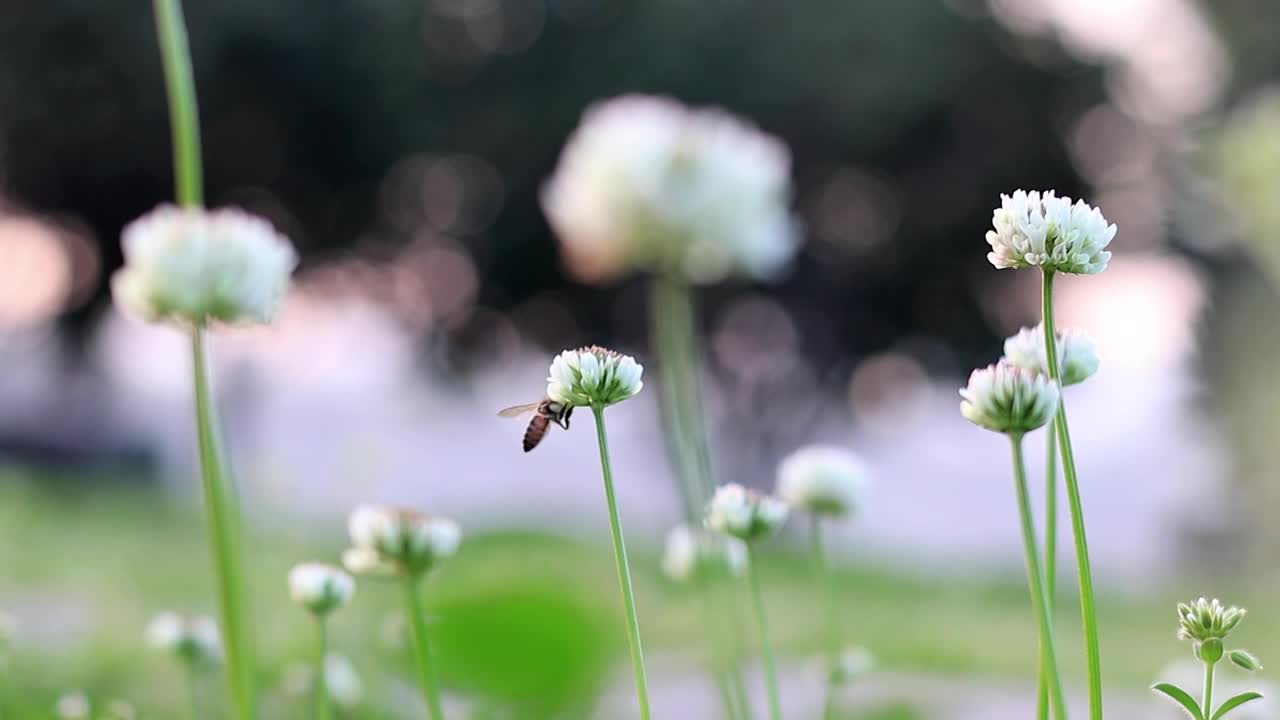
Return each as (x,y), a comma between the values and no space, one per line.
(401,145)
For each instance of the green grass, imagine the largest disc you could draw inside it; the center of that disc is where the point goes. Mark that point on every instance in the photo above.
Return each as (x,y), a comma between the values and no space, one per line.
(526,625)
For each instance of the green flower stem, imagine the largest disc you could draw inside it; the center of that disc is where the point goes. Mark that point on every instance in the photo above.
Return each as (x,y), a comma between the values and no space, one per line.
(673,330)
(422,645)
(1050,551)
(720,661)
(725,686)
(1087,609)
(322,678)
(183,113)
(624,572)
(223,518)
(1035,577)
(1207,705)
(834,632)
(766,649)
(193,689)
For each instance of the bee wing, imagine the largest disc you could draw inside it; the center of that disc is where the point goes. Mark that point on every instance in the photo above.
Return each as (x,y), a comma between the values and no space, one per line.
(518,410)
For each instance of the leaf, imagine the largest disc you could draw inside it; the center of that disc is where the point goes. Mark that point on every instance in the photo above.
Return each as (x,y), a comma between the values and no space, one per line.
(1181,697)
(1236,702)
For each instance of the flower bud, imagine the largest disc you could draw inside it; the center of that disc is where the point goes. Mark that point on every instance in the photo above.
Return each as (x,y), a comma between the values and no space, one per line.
(1008,399)
(745,514)
(593,376)
(1077,360)
(192,640)
(822,480)
(320,588)
(195,265)
(399,540)
(1034,229)
(694,553)
(1245,660)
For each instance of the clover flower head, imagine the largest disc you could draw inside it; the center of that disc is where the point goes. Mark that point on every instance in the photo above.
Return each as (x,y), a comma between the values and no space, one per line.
(822,480)
(1207,619)
(745,514)
(193,640)
(1077,359)
(1039,229)
(320,588)
(593,376)
(648,184)
(388,540)
(1008,399)
(694,553)
(73,705)
(195,266)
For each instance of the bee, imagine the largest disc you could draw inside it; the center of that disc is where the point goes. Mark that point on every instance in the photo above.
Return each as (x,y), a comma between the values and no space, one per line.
(545,412)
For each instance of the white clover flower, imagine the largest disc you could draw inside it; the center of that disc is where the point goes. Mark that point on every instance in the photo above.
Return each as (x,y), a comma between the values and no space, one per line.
(854,662)
(1008,399)
(320,588)
(822,480)
(693,553)
(1034,229)
(648,184)
(1077,359)
(192,640)
(745,514)
(195,265)
(593,376)
(340,679)
(388,539)
(73,705)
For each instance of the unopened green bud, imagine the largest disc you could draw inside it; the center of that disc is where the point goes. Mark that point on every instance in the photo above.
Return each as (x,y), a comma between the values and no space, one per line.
(1245,660)
(1209,651)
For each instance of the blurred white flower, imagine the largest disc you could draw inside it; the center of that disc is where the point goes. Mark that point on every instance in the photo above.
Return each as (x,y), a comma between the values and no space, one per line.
(320,588)
(646,183)
(593,375)
(693,553)
(193,640)
(1077,359)
(1008,399)
(823,480)
(196,265)
(854,662)
(745,514)
(73,705)
(341,680)
(399,539)
(1034,229)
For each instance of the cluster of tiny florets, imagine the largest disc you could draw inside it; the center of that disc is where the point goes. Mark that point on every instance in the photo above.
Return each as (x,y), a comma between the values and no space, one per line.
(593,376)
(1034,229)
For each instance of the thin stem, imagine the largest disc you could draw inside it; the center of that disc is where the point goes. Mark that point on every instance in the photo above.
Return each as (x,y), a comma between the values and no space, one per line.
(720,661)
(1050,551)
(766,649)
(624,572)
(739,686)
(322,677)
(422,646)
(834,632)
(223,518)
(724,685)
(193,689)
(180,86)
(1207,705)
(1087,610)
(1035,577)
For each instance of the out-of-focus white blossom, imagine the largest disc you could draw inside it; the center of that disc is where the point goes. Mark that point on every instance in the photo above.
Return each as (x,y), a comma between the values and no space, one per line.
(853,662)
(1034,229)
(593,376)
(693,553)
(646,183)
(745,514)
(73,705)
(1077,359)
(193,640)
(823,480)
(1008,399)
(340,677)
(195,265)
(320,588)
(398,539)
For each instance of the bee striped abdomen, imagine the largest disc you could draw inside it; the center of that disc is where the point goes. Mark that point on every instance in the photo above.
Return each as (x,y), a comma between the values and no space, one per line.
(536,430)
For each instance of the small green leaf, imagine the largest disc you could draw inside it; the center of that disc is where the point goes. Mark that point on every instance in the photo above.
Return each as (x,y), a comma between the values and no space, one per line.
(1235,702)
(1181,697)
